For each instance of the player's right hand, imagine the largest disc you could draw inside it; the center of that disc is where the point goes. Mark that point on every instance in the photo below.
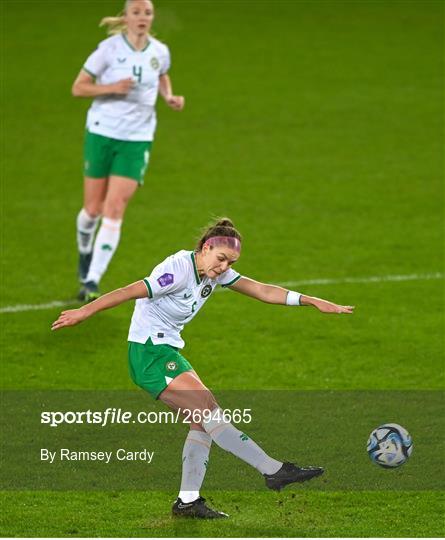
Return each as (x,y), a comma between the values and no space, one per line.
(70,317)
(122,87)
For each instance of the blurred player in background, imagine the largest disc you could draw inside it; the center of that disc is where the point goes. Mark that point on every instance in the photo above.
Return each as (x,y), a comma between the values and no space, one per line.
(165,301)
(124,76)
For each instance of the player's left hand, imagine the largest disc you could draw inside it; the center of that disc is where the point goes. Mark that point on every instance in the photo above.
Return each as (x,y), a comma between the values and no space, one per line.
(329,307)
(175,102)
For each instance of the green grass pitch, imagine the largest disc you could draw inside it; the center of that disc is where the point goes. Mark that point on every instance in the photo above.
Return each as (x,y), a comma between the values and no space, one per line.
(317,126)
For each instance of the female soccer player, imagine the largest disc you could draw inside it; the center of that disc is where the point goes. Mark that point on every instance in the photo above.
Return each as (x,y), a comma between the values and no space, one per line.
(124,76)
(165,301)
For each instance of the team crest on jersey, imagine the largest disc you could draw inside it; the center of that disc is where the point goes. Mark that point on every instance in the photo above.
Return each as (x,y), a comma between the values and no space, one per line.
(166,279)
(171,366)
(154,62)
(206,291)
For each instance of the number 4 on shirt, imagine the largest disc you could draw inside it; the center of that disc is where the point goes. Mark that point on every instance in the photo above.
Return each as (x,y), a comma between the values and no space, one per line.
(137,72)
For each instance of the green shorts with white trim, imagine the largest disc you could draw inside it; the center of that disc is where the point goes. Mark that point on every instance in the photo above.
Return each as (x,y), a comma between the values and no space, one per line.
(153,367)
(104,157)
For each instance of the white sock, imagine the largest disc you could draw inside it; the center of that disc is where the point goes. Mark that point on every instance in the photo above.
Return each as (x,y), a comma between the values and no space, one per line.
(194,464)
(86,227)
(233,440)
(105,245)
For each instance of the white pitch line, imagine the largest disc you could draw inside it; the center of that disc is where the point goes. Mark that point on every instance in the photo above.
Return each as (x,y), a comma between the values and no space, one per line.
(327,281)
(36,307)
(371,279)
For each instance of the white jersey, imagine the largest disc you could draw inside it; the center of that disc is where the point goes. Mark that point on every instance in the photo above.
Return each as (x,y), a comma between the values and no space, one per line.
(131,117)
(177,293)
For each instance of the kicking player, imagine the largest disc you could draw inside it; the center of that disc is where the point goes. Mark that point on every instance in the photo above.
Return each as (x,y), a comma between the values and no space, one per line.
(166,300)
(124,76)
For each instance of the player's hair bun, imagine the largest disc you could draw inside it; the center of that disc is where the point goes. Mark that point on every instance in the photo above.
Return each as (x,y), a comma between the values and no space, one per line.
(224,222)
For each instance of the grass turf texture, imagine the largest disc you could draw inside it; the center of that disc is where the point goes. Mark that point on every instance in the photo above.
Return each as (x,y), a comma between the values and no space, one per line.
(317,126)
(266,515)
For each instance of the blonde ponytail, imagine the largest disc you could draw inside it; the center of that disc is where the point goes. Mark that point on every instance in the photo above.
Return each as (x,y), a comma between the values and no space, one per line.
(115,25)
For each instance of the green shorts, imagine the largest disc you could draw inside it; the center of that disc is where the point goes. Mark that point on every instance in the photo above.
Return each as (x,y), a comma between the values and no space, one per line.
(104,156)
(153,366)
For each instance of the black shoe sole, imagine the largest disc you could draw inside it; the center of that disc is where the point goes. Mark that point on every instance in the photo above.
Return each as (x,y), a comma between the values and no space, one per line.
(279,483)
(194,516)
(188,516)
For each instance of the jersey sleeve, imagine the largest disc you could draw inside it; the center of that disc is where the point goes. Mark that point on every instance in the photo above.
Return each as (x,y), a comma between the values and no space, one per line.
(166,278)
(97,62)
(165,61)
(230,277)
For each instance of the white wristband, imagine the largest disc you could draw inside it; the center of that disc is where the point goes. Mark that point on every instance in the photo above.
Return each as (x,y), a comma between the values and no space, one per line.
(293,298)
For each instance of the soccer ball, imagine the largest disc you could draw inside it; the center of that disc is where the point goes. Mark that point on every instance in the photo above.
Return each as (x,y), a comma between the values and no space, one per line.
(389,445)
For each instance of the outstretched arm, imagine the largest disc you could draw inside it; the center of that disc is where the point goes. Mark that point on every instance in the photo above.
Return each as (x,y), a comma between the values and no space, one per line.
(272,294)
(72,317)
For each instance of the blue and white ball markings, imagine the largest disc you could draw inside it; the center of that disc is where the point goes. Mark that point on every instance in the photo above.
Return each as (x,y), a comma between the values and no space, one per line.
(389,446)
